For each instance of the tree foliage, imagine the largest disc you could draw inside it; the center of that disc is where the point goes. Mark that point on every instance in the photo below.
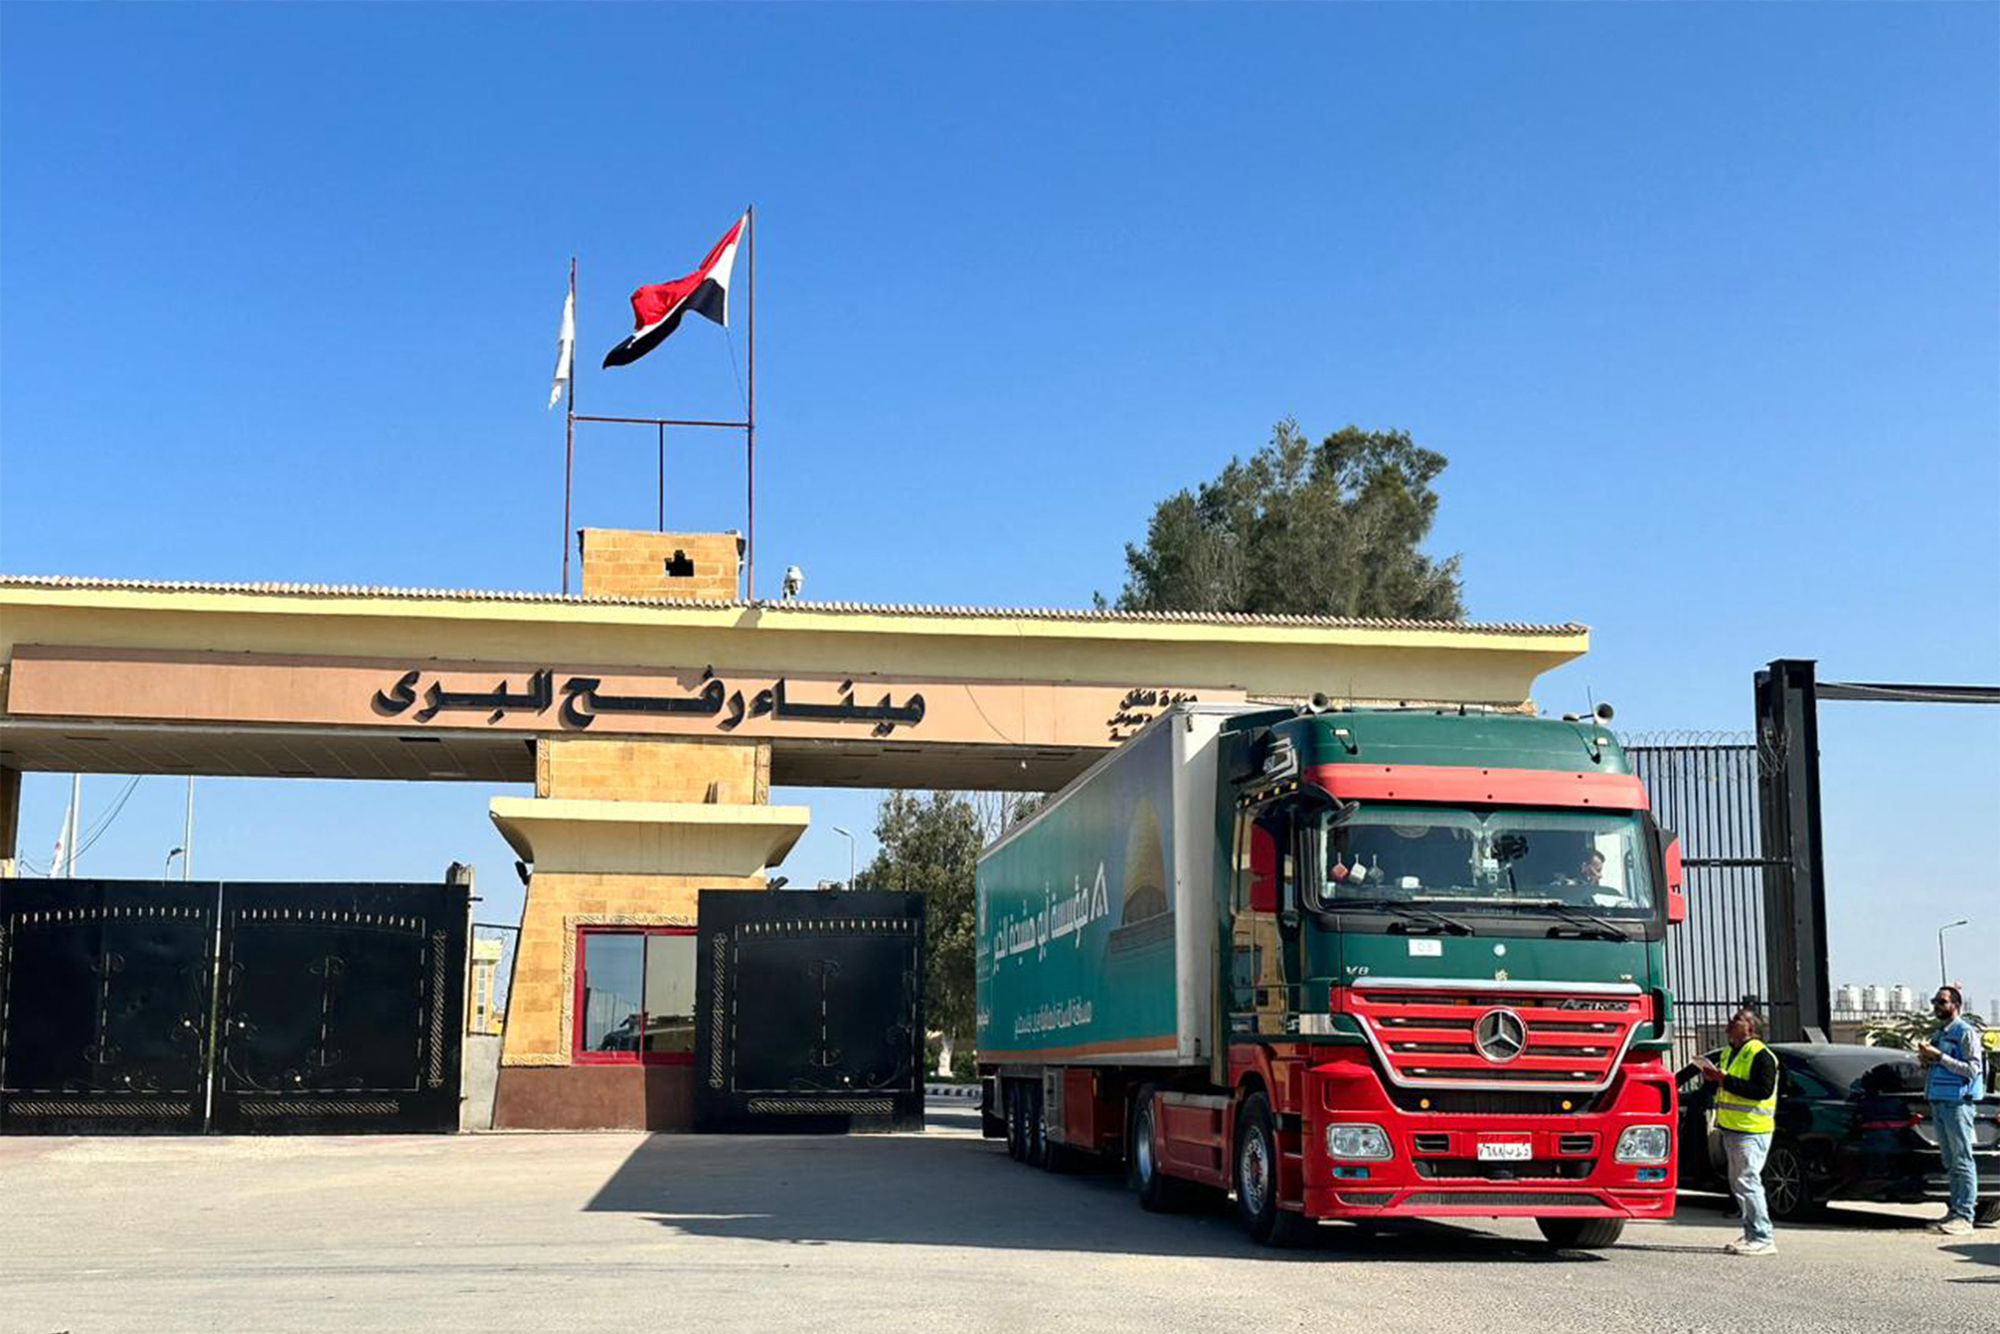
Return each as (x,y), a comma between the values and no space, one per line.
(1331,529)
(930,845)
(1901,1031)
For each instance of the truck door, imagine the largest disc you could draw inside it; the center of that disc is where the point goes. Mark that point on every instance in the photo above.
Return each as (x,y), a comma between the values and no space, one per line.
(1265,916)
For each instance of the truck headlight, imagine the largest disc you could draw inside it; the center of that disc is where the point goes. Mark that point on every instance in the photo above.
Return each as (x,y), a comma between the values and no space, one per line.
(1356,1141)
(1644,1144)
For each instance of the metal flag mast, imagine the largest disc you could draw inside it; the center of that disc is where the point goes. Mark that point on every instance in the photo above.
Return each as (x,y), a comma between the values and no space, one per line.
(569,427)
(748,426)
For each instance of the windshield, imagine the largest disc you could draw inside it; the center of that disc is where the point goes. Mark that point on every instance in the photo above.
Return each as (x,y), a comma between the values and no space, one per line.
(1594,861)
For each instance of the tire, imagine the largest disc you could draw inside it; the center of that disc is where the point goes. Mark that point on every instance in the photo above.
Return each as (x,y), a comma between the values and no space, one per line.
(1014,1094)
(1158,1193)
(1787,1184)
(1255,1177)
(1038,1132)
(1986,1212)
(1581,1234)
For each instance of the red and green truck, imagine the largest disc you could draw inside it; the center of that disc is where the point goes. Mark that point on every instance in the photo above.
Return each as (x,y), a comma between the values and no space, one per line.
(1345,963)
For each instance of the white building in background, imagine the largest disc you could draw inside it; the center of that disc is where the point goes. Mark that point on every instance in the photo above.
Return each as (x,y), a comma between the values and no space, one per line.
(1847,998)
(1875,999)
(1903,1000)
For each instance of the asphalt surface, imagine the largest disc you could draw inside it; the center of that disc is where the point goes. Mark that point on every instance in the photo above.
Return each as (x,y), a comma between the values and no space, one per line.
(905,1232)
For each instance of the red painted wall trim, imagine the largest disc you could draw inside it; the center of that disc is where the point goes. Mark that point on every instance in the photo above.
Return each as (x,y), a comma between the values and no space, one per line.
(1460,784)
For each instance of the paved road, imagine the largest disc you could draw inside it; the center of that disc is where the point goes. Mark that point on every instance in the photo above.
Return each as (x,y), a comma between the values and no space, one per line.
(934,1231)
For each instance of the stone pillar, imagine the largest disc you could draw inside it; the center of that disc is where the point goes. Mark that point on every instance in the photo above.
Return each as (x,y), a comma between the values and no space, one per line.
(621,833)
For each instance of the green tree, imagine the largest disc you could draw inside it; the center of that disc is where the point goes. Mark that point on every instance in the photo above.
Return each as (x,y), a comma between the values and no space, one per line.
(1902,1031)
(930,845)
(1331,529)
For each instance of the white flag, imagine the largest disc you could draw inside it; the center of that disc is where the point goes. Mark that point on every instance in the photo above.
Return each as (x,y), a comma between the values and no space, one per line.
(565,349)
(58,867)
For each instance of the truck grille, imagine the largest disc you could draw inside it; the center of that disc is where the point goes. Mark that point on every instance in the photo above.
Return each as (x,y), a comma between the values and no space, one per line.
(1529,1169)
(1548,1040)
(1500,1199)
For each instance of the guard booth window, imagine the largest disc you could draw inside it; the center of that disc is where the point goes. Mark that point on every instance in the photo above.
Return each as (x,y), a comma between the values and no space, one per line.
(635,995)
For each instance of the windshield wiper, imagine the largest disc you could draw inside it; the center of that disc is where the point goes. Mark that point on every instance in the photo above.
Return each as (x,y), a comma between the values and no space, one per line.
(1602,927)
(1450,925)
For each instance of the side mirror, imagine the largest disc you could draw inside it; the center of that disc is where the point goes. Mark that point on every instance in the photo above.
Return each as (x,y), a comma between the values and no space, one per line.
(1677,904)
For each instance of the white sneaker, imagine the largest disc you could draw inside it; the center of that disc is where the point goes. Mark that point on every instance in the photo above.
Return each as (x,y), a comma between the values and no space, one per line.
(1748,1247)
(1951,1227)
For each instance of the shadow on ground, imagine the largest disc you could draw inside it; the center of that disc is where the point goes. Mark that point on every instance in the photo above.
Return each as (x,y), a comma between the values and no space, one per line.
(1830,1218)
(953,1190)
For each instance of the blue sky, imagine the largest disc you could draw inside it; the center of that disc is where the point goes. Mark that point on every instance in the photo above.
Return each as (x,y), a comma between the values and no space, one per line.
(1702,302)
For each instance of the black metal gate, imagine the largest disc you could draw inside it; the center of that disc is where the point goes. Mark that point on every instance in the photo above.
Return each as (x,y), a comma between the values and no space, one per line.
(137,1006)
(810,1011)
(1717,959)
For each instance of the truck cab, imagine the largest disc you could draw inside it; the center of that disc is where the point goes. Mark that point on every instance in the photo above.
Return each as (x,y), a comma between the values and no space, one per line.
(1445,982)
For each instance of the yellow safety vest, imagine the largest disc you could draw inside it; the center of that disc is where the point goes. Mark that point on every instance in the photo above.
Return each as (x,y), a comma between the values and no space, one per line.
(1733,1112)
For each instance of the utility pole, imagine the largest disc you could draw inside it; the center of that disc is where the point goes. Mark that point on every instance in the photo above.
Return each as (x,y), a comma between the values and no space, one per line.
(69,834)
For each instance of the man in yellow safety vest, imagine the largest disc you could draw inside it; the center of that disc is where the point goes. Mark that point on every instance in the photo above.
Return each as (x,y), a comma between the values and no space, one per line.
(1746,1110)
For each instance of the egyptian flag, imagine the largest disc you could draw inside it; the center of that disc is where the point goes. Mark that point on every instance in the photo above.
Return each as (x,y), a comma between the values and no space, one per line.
(657,310)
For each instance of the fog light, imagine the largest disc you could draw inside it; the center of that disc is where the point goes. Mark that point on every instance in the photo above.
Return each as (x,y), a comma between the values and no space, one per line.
(1644,1144)
(1651,1174)
(1351,1173)
(1351,1141)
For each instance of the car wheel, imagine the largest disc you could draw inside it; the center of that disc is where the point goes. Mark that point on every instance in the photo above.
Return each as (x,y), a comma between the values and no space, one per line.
(1581,1234)
(1787,1189)
(1158,1192)
(1256,1179)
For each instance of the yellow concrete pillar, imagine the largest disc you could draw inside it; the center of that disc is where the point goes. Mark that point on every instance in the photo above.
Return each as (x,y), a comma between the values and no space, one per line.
(620,833)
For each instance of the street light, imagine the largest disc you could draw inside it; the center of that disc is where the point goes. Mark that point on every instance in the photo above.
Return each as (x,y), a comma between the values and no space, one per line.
(1944,973)
(850,854)
(170,862)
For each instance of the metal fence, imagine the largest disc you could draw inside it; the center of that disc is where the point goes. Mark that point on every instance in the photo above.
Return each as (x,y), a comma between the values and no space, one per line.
(1707,790)
(490,977)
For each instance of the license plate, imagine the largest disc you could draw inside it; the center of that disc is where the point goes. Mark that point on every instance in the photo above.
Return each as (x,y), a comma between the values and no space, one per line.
(1505,1153)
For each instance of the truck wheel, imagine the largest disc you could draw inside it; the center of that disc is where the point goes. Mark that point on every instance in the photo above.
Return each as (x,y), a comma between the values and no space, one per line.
(1581,1234)
(1038,1131)
(1158,1193)
(1256,1180)
(1014,1093)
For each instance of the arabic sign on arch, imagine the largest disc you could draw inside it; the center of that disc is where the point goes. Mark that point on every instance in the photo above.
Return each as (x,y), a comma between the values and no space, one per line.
(197,687)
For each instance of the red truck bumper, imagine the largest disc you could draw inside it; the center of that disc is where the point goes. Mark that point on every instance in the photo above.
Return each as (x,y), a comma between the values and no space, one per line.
(1435,1168)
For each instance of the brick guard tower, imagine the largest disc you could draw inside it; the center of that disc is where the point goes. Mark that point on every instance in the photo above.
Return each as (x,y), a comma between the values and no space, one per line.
(623,832)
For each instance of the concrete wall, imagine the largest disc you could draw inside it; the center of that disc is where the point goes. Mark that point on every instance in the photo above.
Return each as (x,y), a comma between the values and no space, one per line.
(479,1070)
(620,562)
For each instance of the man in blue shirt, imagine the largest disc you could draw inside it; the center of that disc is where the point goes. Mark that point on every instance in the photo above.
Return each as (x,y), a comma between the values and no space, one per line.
(1954,1056)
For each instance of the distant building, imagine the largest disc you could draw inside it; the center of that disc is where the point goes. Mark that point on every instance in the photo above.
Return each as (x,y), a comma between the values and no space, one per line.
(1847,998)
(1903,1000)
(484,1014)
(1874,999)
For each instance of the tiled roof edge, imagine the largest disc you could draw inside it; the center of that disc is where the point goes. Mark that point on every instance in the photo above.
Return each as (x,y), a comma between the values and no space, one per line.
(832,608)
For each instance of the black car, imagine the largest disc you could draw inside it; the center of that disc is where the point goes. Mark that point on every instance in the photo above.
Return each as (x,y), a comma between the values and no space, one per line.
(1853,1124)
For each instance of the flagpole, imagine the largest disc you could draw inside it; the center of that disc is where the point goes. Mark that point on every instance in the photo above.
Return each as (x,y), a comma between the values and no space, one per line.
(569,432)
(69,840)
(750,420)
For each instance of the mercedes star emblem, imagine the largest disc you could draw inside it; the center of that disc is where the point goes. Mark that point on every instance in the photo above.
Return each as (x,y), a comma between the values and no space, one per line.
(1500,1036)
